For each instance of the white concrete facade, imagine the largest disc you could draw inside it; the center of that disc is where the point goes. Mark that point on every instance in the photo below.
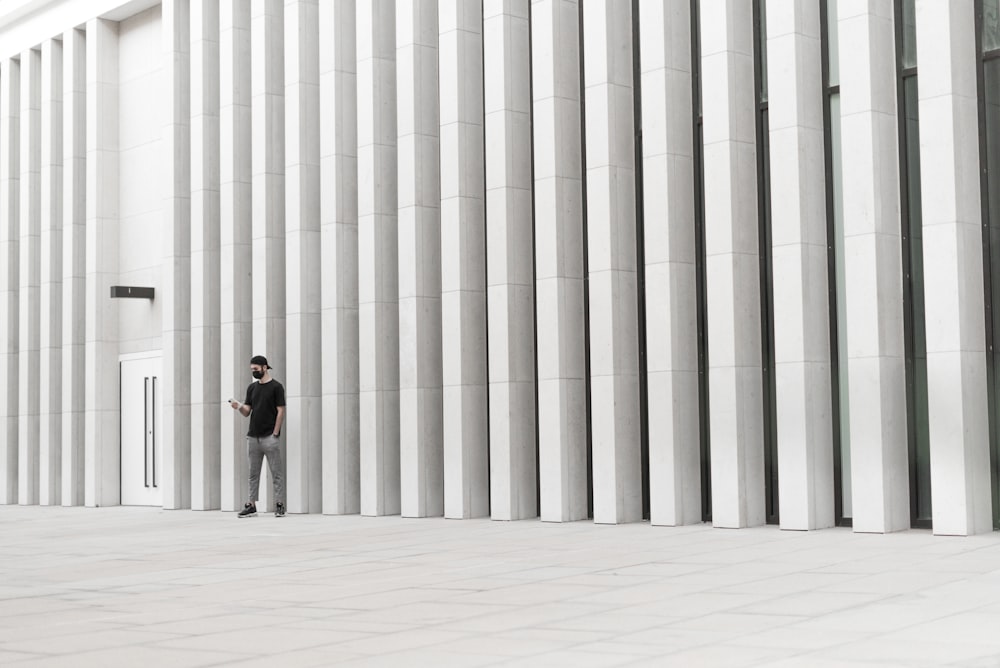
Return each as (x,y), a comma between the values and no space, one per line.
(339,272)
(559,260)
(29,311)
(206,344)
(873,262)
(268,179)
(10,81)
(50,330)
(74,166)
(799,257)
(509,266)
(732,265)
(302,227)
(429,217)
(953,269)
(612,268)
(102,451)
(463,260)
(671,263)
(378,253)
(176,210)
(235,255)
(421,447)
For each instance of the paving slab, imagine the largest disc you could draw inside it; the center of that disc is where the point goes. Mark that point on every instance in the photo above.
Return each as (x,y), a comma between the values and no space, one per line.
(124,586)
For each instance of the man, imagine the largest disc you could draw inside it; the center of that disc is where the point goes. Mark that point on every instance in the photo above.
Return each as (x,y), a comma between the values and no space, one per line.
(265,406)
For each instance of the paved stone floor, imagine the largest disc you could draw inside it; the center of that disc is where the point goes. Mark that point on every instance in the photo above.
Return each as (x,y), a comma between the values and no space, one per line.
(85,587)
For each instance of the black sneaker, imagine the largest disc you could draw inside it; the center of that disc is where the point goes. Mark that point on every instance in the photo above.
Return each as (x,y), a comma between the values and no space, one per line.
(279,510)
(249,510)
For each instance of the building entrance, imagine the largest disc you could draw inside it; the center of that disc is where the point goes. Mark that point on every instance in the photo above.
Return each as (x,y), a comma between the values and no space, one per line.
(142,451)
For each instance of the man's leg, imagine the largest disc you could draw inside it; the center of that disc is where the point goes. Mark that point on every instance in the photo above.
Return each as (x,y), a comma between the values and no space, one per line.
(277,467)
(255,451)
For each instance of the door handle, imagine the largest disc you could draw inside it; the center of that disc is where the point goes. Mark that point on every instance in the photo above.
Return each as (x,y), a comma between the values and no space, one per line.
(152,433)
(145,430)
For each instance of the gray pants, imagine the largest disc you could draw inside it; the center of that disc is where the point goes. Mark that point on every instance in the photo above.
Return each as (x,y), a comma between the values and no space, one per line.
(257,449)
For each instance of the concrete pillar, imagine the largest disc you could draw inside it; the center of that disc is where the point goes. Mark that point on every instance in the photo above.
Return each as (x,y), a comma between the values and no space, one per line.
(873,265)
(671,269)
(10,225)
(206,347)
(267,70)
(304,450)
(51,329)
(268,159)
(799,260)
(953,271)
(509,252)
(235,212)
(74,165)
(559,255)
(338,90)
(463,260)
(611,252)
(29,318)
(378,276)
(101,414)
(732,269)
(176,268)
(421,453)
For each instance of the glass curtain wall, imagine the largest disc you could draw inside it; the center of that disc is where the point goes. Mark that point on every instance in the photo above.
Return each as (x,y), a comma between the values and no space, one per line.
(699,242)
(586,265)
(988,43)
(640,262)
(835,254)
(764,239)
(913,266)
(534,268)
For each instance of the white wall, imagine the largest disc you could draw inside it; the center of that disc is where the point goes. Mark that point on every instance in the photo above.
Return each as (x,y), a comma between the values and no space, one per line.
(135,235)
(141,105)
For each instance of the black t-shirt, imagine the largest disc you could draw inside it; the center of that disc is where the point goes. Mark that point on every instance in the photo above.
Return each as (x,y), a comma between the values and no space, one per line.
(264,400)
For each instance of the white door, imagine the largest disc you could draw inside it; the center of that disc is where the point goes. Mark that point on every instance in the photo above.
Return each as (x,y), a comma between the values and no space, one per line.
(142,451)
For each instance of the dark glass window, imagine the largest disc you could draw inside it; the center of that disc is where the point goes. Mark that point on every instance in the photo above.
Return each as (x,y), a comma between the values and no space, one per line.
(640,262)
(835,258)
(762,41)
(913,265)
(586,266)
(917,365)
(991,25)
(764,251)
(908,34)
(991,81)
(831,42)
(988,41)
(699,242)
(990,134)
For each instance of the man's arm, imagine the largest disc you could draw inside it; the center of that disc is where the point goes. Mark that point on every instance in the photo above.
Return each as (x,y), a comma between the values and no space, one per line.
(244,409)
(278,422)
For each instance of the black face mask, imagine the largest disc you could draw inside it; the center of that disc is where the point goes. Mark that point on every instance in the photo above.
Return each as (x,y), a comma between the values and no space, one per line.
(258,374)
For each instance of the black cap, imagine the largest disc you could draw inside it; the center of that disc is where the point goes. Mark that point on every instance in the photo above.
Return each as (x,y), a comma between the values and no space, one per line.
(260,360)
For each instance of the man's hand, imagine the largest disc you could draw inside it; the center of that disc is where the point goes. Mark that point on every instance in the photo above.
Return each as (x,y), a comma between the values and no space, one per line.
(279,421)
